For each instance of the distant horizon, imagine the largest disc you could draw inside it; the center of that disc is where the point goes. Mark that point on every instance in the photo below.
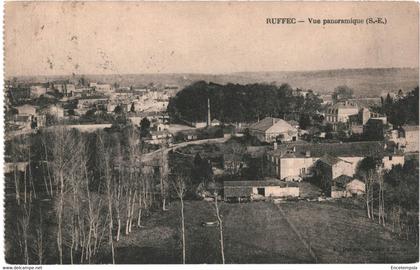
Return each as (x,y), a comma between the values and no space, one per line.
(210,74)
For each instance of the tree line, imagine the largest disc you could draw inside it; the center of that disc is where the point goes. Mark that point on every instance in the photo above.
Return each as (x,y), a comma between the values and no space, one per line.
(403,110)
(76,195)
(72,196)
(391,196)
(240,103)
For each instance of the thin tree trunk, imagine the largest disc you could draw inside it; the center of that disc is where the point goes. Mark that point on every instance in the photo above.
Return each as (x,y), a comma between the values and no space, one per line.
(222,247)
(17,189)
(183,230)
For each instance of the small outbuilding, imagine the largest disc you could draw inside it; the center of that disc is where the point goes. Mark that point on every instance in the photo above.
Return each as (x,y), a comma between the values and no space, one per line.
(265,188)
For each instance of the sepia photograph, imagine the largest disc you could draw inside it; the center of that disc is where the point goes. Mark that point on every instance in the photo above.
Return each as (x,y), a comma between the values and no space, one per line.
(210,133)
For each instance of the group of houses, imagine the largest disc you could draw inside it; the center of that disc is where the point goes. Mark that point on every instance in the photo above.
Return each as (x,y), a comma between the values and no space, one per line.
(334,165)
(77,100)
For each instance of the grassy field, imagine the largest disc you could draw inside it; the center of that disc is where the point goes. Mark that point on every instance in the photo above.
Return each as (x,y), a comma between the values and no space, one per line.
(261,232)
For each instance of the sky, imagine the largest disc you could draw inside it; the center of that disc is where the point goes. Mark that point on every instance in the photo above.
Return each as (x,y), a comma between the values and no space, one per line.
(59,38)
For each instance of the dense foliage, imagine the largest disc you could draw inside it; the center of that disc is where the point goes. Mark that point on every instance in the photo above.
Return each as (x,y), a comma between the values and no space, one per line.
(239,103)
(404,110)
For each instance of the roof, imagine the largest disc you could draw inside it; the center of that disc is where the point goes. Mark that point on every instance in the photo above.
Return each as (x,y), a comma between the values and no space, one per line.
(410,128)
(256,151)
(215,121)
(349,149)
(343,105)
(293,122)
(342,180)
(237,191)
(259,183)
(366,102)
(269,122)
(330,160)
(160,132)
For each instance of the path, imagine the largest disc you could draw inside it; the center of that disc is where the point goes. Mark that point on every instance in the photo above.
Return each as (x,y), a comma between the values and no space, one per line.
(306,244)
(150,156)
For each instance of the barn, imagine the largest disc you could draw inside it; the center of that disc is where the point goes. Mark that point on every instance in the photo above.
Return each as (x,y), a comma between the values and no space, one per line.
(265,188)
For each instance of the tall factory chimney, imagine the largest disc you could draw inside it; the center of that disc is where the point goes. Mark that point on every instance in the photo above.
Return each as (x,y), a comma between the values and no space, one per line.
(208,113)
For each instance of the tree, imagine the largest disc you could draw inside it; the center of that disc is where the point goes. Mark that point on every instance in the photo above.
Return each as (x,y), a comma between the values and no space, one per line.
(163,177)
(304,121)
(118,109)
(144,127)
(342,92)
(220,225)
(367,170)
(180,185)
(106,168)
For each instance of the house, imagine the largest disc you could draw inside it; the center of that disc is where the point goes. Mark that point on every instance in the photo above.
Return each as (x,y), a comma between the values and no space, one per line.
(215,123)
(56,111)
(345,186)
(334,167)
(38,90)
(199,124)
(411,135)
(326,99)
(299,159)
(92,102)
(266,188)
(104,88)
(159,137)
(406,138)
(161,127)
(26,110)
(340,112)
(355,187)
(271,129)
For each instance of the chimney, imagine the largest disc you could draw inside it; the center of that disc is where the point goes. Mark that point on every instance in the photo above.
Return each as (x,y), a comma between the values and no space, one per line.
(308,153)
(208,112)
(275,145)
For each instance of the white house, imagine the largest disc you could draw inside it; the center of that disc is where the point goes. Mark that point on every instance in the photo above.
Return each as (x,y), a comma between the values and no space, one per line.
(411,134)
(38,90)
(340,112)
(272,129)
(26,110)
(298,159)
(264,188)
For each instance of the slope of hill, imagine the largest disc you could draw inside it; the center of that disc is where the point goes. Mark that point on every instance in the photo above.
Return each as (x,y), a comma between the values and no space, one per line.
(365,82)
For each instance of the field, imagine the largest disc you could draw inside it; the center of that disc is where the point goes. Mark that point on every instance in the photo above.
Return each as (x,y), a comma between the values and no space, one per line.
(261,232)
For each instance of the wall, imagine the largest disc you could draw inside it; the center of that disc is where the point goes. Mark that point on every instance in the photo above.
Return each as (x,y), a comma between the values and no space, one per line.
(342,168)
(395,160)
(354,163)
(293,166)
(276,191)
(412,139)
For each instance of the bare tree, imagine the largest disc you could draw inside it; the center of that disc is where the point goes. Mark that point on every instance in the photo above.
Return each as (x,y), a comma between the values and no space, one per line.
(220,225)
(106,168)
(179,184)
(39,245)
(163,177)
(65,147)
(381,199)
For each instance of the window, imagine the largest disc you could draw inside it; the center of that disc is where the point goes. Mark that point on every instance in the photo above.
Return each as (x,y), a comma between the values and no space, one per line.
(390,157)
(261,191)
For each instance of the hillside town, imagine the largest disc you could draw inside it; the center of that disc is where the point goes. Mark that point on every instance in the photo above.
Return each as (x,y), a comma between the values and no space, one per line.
(198,133)
(321,149)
